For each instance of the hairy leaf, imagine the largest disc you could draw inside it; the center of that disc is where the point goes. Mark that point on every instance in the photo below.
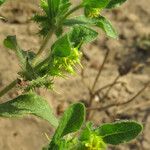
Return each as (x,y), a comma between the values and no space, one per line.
(106,26)
(28,104)
(80,20)
(96,3)
(115,3)
(82,34)
(62,47)
(11,43)
(119,132)
(100,22)
(71,121)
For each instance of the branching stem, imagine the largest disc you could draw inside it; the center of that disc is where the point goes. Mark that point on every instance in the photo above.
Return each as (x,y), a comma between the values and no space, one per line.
(120,104)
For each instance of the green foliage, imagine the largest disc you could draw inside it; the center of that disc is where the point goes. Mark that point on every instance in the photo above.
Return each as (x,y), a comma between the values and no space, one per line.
(100,22)
(61,59)
(115,3)
(65,52)
(28,104)
(119,132)
(90,140)
(71,121)
(81,34)
(11,42)
(106,26)
(2,1)
(96,3)
(54,12)
(62,47)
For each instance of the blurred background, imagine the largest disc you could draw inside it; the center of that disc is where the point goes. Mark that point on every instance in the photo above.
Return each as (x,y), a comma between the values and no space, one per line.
(127,65)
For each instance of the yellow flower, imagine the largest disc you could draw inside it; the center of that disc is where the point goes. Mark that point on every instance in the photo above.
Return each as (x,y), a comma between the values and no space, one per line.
(95,143)
(92,12)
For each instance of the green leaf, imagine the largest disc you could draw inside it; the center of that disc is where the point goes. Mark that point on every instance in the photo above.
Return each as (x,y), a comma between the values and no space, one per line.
(79,20)
(106,26)
(62,47)
(82,34)
(71,121)
(115,3)
(11,42)
(119,132)
(100,22)
(58,7)
(96,3)
(2,1)
(28,104)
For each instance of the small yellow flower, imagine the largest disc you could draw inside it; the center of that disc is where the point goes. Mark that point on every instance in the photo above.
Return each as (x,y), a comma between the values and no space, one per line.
(93,12)
(95,143)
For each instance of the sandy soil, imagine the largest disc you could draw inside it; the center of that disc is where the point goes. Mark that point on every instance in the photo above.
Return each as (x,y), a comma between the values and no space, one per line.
(132,23)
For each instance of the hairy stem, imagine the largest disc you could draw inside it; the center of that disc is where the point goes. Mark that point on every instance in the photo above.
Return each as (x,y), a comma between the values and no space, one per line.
(9,87)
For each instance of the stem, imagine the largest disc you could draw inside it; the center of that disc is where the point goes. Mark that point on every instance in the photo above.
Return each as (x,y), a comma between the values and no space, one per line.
(9,87)
(97,77)
(100,70)
(44,44)
(91,91)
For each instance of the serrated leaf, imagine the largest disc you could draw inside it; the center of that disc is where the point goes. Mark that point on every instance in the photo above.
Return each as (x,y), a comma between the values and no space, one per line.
(96,3)
(62,47)
(11,42)
(82,34)
(71,121)
(27,104)
(119,132)
(115,3)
